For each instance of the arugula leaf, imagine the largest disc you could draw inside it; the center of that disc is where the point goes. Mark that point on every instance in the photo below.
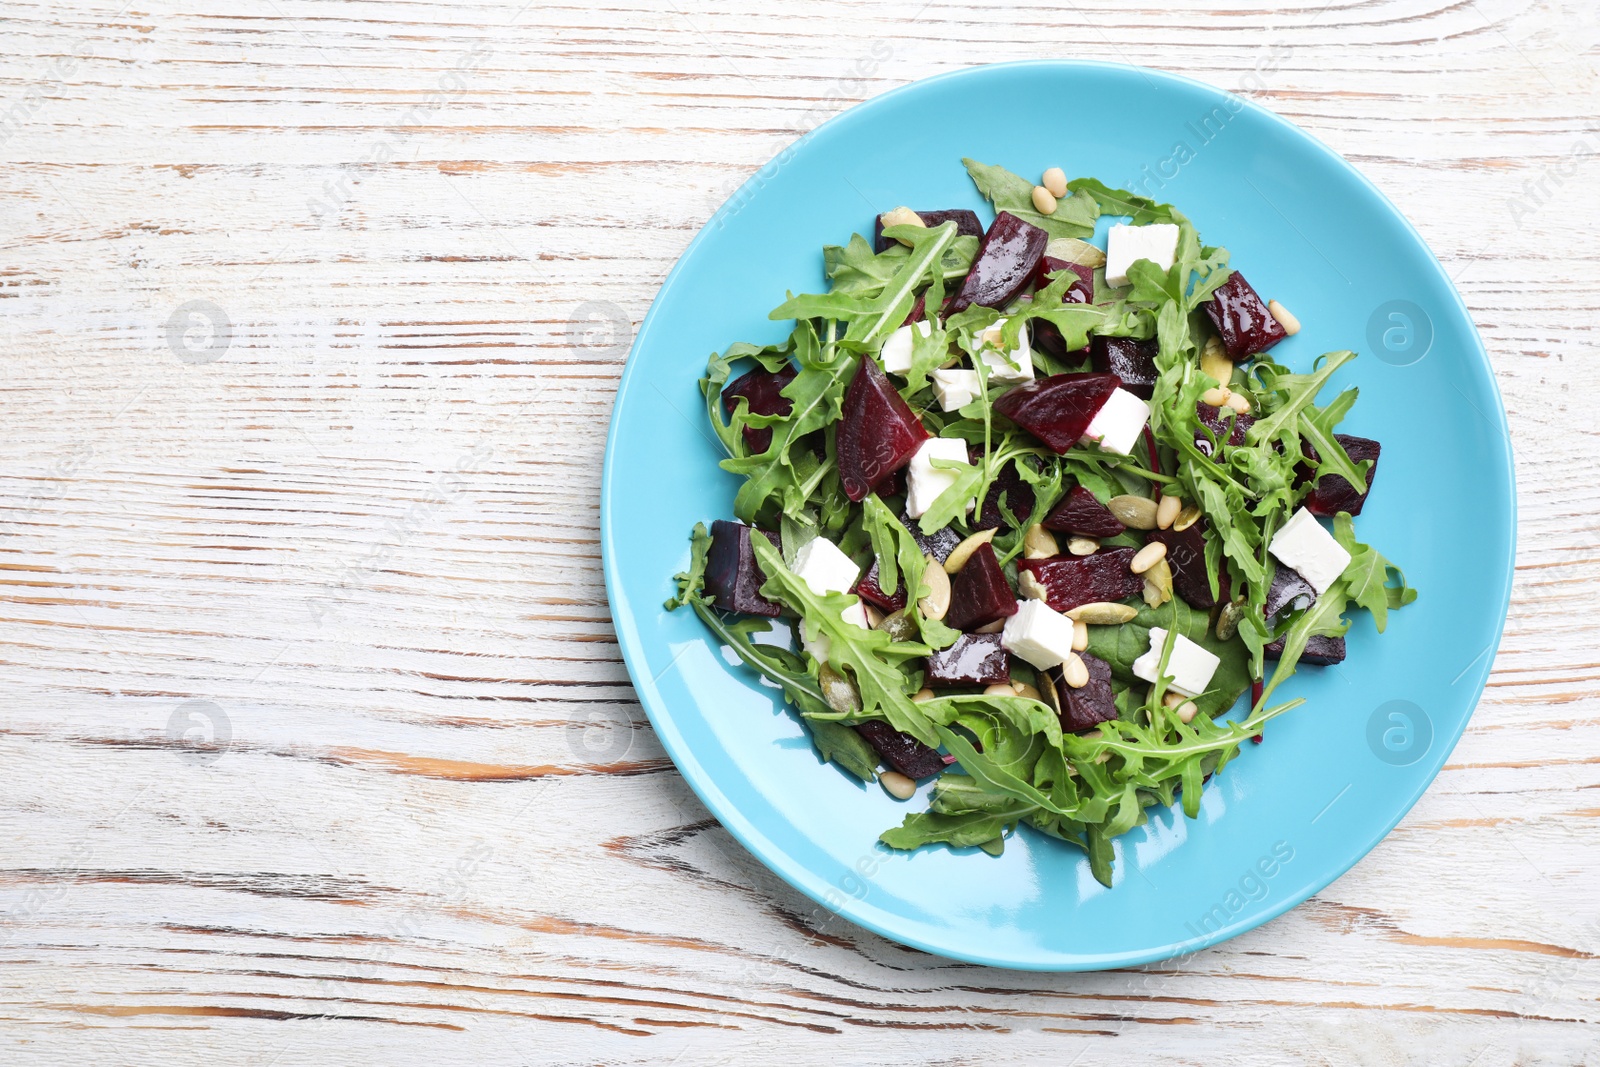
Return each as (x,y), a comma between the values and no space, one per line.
(838,743)
(871,657)
(1074,215)
(927,828)
(1368,573)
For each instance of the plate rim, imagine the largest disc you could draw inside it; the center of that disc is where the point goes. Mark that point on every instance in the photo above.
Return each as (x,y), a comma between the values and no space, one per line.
(797,875)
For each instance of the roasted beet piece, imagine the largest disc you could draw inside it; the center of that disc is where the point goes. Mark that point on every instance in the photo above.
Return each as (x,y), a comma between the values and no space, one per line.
(1288,591)
(967,225)
(1334,494)
(1095,703)
(1221,422)
(877,432)
(1081,513)
(1006,258)
(1320,651)
(732,576)
(869,590)
(901,751)
(1046,338)
(1059,408)
(975,659)
(1186,556)
(893,484)
(938,544)
(1072,581)
(1242,319)
(1131,360)
(979,594)
(762,391)
(1018,496)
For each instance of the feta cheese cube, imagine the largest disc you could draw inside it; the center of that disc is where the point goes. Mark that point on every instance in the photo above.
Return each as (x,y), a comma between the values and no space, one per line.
(1039,634)
(955,388)
(1308,548)
(825,568)
(1126,245)
(1013,366)
(1190,667)
(896,351)
(924,481)
(1119,422)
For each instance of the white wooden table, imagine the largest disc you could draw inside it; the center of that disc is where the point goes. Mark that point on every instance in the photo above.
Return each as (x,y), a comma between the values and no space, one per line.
(316,745)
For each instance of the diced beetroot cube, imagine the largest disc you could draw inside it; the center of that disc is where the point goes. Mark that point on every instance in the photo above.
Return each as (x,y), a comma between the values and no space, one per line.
(919,310)
(938,544)
(1009,484)
(1131,360)
(1320,651)
(1242,319)
(869,590)
(1082,513)
(763,391)
(878,433)
(1059,408)
(1006,258)
(1186,556)
(1072,581)
(1222,422)
(975,659)
(1095,703)
(1334,494)
(1046,338)
(894,484)
(901,751)
(1288,591)
(967,225)
(733,577)
(979,594)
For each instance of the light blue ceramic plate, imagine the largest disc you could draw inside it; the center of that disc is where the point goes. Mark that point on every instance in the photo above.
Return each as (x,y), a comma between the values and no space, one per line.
(1332,778)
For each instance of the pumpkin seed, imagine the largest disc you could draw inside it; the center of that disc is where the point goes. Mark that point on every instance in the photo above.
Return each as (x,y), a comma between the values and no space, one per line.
(1134,512)
(1083,546)
(900,626)
(961,553)
(1187,517)
(1026,691)
(1102,613)
(839,691)
(1030,587)
(1039,543)
(1158,584)
(1228,620)
(937,602)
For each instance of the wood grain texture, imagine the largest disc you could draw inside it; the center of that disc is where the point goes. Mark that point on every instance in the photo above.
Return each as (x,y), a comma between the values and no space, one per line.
(316,743)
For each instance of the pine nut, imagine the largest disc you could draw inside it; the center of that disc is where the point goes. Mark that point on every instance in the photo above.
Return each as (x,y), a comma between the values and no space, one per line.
(1134,512)
(1239,402)
(897,785)
(1075,672)
(1055,180)
(961,553)
(1043,200)
(1080,636)
(1039,543)
(1102,613)
(937,602)
(1147,556)
(1027,692)
(923,695)
(1083,546)
(902,216)
(1172,700)
(1290,324)
(1000,689)
(992,628)
(1167,511)
(1187,711)
(1030,587)
(1217,397)
(1214,361)
(1187,517)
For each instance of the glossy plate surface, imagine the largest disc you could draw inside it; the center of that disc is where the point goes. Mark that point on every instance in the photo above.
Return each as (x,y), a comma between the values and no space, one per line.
(1332,778)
